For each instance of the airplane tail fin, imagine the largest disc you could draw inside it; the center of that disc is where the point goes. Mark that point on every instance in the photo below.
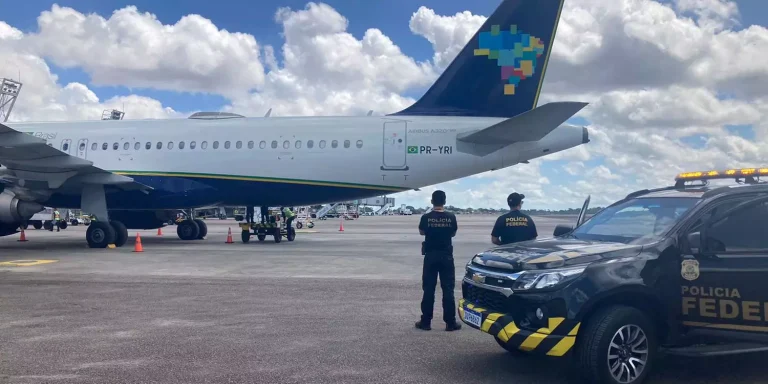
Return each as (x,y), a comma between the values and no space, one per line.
(500,71)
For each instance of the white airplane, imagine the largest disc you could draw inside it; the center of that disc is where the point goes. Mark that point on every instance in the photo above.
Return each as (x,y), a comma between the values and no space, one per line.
(480,115)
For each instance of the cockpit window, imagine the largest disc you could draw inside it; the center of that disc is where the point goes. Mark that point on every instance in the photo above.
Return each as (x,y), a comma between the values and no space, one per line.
(635,221)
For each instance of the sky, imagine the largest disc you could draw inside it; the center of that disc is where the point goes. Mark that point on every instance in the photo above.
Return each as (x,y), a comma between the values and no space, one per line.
(672,85)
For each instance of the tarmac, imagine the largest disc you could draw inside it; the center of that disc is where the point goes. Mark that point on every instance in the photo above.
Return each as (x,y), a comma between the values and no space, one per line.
(330,307)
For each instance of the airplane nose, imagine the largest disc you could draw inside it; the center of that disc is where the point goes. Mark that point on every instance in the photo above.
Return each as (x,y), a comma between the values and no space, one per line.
(584,135)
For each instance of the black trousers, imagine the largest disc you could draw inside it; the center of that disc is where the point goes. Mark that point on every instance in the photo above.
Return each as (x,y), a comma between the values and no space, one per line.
(249,214)
(264,213)
(438,265)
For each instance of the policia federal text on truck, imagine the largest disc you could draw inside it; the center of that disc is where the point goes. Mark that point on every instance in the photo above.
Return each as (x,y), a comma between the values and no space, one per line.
(680,268)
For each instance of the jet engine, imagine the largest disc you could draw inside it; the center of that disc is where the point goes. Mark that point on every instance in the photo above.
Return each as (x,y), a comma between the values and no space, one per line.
(15,211)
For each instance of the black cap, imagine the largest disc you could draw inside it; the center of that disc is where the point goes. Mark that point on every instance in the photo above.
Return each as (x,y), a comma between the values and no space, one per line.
(514,199)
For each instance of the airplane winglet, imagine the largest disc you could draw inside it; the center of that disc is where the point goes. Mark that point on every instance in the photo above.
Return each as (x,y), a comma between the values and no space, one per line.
(370,112)
(532,125)
(268,113)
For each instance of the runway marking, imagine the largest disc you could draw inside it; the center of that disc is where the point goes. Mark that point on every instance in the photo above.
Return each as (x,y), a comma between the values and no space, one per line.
(25,263)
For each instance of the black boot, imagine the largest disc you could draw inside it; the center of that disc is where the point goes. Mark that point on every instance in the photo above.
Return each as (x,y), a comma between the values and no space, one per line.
(423,326)
(452,327)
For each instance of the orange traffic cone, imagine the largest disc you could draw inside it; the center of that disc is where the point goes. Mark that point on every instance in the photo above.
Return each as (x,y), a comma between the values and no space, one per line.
(341,226)
(23,236)
(159,231)
(138,247)
(229,236)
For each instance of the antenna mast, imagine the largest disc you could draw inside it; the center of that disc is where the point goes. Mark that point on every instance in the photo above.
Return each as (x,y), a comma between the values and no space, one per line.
(9,92)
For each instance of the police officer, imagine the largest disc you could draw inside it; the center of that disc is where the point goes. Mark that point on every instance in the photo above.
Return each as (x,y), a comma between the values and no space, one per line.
(438,227)
(513,226)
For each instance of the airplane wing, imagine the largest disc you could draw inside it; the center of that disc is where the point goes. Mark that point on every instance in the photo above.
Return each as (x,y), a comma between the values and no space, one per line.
(37,166)
(532,125)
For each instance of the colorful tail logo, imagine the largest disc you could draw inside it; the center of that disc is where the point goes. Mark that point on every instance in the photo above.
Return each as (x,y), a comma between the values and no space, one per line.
(514,51)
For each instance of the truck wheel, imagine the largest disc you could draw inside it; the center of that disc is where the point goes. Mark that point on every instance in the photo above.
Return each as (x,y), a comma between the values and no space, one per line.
(37,224)
(63,224)
(299,225)
(278,236)
(291,234)
(48,225)
(261,237)
(245,236)
(617,347)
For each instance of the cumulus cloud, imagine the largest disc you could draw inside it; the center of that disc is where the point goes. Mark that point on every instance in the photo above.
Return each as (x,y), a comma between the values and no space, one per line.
(655,74)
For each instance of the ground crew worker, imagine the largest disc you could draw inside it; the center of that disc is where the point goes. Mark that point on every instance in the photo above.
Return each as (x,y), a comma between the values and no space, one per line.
(438,227)
(249,213)
(56,219)
(288,215)
(513,226)
(264,213)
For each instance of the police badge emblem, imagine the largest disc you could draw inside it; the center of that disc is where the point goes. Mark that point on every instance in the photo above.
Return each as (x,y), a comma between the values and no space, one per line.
(690,270)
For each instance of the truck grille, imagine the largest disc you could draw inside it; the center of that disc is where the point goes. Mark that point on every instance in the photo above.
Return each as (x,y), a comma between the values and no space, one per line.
(484,298)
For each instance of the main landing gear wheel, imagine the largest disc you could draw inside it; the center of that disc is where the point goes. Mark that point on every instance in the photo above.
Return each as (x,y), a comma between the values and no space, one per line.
(203,229)
(121,233)
(100,234)
(245,236)
(188,230)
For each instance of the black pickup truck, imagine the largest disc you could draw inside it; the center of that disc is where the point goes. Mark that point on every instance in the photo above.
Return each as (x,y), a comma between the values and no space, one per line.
(678,270)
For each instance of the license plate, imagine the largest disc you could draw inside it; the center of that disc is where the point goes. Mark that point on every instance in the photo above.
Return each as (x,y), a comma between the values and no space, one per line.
(473,317)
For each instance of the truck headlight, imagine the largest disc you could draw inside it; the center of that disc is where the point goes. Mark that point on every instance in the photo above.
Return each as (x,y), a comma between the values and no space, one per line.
(547,278)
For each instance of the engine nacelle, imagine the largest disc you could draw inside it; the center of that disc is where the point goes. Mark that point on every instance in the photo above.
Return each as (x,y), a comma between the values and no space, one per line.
(13,210)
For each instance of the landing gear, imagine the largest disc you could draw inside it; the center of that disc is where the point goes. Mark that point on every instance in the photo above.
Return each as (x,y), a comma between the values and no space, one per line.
(203,229)
(121,233)
(188,230)
(100,235)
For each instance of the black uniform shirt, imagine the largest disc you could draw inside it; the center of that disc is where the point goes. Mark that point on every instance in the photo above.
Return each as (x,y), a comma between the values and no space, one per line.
(439,227)
(513,227)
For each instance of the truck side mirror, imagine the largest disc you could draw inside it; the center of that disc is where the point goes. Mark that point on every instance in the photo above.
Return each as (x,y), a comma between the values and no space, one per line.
(694,242)
(562,229)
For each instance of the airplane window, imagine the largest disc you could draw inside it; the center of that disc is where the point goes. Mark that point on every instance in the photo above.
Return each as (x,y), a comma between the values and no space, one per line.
(159,145)
(104,146)
(322,144)
(148,146)
(239,144)
(274,143)
(262,144)
(346,143)
(215,145)
(286,144)
(126,146)
(359,143)
(204,145)
(192,145)
(115,146)
(250,145)
(298,144)
(170,145)
(334,144)
(137,146)
(181,145)
(65,147)
(226,145)
(82,146)
(94,146)
(310,143)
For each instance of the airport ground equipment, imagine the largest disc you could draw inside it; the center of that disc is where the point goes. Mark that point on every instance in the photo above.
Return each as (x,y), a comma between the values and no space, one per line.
(679,270)
(274,227)
(303,218)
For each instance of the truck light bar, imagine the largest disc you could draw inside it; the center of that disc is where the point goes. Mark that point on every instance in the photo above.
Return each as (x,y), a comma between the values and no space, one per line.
(726,174)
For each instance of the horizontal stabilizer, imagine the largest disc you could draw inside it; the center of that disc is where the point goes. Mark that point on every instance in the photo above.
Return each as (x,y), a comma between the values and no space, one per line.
(528,126)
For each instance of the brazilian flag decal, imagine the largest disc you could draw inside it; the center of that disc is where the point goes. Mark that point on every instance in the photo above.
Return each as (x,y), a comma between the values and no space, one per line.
(413,149)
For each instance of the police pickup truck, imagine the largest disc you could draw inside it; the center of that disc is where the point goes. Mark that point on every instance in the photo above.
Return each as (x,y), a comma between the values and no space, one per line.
(680,270)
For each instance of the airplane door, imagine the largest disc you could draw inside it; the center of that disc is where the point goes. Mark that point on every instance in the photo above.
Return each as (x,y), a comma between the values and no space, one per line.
(66,145)
(394,157)
(82,148)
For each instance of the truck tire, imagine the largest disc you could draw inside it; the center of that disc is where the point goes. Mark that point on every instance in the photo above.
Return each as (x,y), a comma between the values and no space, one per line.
(629,363)
(245,236)
(299,225)
(37,224)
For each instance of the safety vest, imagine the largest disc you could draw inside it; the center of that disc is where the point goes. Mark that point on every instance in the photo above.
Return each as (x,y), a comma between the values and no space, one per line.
(56,215)
(288,213)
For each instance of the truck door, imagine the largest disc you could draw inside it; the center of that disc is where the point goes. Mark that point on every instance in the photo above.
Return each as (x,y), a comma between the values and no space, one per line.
(723,270)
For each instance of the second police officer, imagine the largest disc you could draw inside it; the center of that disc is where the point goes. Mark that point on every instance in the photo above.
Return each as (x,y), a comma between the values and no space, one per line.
(513,226)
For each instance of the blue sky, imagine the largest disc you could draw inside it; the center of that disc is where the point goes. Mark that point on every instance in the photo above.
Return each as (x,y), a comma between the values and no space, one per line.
(390,16)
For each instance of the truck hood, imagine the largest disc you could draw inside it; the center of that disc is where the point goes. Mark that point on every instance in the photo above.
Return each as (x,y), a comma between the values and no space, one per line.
(552,253)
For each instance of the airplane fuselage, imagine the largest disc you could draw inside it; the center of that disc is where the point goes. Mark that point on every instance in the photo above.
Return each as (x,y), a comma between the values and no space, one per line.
(280,160)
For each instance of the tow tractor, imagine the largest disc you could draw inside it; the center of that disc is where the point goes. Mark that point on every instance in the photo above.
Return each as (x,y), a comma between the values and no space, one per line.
(273,227)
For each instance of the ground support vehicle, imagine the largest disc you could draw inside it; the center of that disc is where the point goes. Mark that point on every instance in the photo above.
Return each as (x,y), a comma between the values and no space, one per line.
(273,227)
(679,269)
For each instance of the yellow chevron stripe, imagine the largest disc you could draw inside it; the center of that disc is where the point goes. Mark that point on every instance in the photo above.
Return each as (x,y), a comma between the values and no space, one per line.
(532,341)
(489,321)
(507,332)
(564,345)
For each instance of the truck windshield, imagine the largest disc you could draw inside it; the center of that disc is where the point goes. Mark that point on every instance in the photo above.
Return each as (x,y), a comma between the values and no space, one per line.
(635,221)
